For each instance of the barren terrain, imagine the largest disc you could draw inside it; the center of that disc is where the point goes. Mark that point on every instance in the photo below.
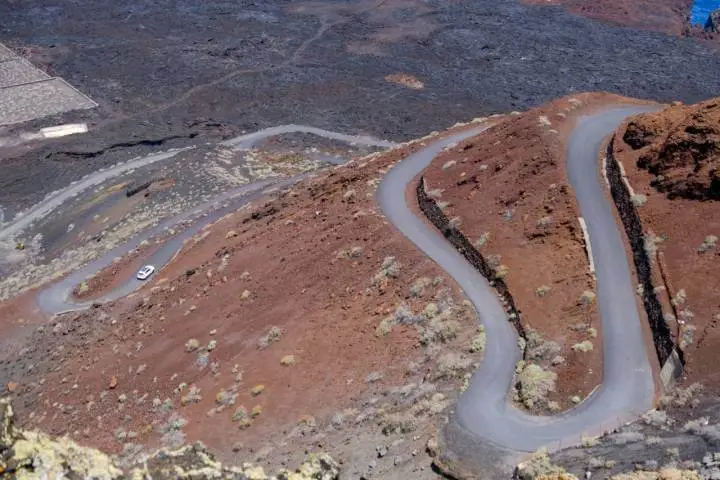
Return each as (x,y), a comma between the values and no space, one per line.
(305,321)
(668,16)
(671,159)
(198,72)
(339,323)
(508,192)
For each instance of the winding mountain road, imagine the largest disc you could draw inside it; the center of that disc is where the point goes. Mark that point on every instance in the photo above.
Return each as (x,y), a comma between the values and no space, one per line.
(57,297)
(243,142)
(484,409)
(627,389)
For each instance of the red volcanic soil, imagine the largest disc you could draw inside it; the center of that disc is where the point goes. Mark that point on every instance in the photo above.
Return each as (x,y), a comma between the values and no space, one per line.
(307,264)
(509,193)
(672,160)
(374,328)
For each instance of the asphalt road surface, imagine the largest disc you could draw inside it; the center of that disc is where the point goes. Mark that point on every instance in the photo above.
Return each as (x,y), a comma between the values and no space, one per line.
(627,389)
(243,142)
(57,298)
(484,409)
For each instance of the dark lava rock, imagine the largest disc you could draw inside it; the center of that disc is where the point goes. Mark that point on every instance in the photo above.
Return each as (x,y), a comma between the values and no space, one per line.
(713,21)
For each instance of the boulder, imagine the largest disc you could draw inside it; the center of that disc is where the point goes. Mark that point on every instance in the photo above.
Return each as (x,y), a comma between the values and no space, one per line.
(713,21)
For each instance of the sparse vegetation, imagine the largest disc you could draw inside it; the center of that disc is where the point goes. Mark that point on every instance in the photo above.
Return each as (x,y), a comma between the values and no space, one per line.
(225,398)
(544,222)
(417,289)
(639,199)
(584,346)
(540,466)
(398,423)
(385,327)
(533,384)
(449,164)
(623,438)
(440,326)
(404,316)
(680,396)
(502,271)
(287,360)
(477,344)
(482,241)
(349,196)
(203,360)
(273,336)
(544,121)
(436,193)
(587,298)
(680,298)
(354,252)
(172,434)
(537,348)
(192,345)
(542,290)
(390,268)
(239,414)
(588,442)
(192,396)
(307,421)
(686,337)
(708,244)
(257,390)
(452,365)
(493,261)
(596,463)
(651,243)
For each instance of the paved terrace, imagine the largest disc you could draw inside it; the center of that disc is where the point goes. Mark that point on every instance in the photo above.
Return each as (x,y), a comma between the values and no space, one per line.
(27,93)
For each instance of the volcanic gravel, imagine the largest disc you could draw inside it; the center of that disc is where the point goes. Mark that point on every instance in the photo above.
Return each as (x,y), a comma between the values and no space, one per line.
(174,73)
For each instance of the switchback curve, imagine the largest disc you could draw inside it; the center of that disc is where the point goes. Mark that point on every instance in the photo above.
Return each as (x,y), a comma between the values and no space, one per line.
(627,389)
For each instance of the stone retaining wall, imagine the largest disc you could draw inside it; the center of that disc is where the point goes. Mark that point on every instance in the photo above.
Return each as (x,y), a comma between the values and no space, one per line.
(438,218)
(664,344)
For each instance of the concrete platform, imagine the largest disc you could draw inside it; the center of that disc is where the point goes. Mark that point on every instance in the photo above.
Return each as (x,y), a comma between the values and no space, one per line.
(21,103)
(27,93)
(6,53)
(17,71)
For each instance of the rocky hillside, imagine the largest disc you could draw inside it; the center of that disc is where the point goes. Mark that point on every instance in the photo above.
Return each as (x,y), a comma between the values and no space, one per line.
(681,148)
(678,441)
(27,455)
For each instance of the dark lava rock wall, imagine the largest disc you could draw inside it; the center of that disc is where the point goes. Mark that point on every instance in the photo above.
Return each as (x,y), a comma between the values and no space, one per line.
(436,216)
(662,338)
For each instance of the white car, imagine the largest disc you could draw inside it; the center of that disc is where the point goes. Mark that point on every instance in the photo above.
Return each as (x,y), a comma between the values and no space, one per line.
(145,272)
